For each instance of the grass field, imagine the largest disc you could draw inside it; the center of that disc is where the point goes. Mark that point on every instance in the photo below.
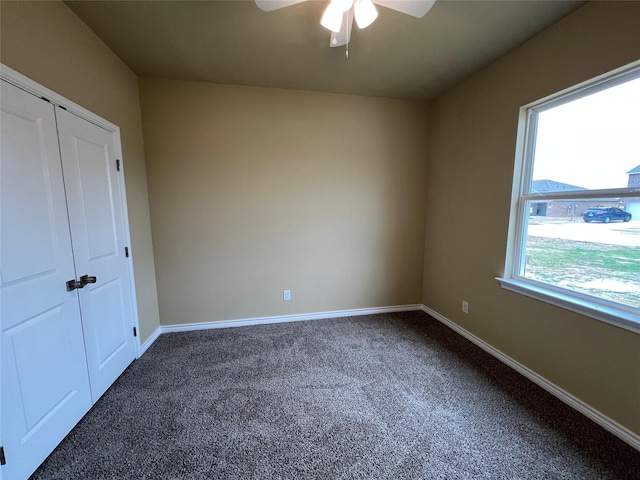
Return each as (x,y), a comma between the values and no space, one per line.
(611,272)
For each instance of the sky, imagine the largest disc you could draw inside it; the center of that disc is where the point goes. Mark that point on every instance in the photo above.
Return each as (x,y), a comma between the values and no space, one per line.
(593,141)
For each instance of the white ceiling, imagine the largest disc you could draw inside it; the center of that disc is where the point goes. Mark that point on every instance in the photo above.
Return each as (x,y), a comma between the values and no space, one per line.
(234,42)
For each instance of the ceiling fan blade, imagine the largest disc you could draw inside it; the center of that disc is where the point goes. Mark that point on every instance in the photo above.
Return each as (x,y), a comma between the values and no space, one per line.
(342,37)
(270,5)
(415,8)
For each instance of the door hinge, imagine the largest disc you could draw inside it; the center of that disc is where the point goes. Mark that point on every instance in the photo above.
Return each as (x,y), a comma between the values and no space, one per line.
(135,332)
(3,460)
(126,251)
(118,164)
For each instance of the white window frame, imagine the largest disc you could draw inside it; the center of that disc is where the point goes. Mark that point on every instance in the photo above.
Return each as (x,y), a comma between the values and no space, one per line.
(614,313)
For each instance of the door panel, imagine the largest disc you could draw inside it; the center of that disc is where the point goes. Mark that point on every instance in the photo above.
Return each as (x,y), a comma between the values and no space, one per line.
(23,141)
(97,193)
(43,393)
(97,229)
(45,386)
(107,299)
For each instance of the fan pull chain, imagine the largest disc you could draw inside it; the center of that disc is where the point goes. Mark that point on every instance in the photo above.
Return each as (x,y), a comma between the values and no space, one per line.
(348,26)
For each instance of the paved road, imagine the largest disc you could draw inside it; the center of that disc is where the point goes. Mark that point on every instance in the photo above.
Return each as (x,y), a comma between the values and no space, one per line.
(616,233)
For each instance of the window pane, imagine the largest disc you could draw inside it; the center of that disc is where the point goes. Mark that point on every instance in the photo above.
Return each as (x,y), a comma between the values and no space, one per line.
(589,246)
(589,143)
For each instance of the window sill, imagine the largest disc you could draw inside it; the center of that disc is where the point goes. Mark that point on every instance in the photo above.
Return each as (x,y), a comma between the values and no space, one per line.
(617,317)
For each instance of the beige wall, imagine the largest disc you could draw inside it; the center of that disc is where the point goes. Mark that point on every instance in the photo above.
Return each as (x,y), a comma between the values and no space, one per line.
(257,190)
(48,43)
(472,140)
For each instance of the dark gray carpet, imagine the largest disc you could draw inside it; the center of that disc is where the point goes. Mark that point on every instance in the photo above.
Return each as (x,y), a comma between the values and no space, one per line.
(388,396)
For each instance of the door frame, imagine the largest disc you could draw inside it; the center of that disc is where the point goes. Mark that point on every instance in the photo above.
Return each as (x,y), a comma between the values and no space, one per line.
(25,83)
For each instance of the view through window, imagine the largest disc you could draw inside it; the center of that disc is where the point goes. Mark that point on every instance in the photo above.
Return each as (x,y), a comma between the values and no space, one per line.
(580,194)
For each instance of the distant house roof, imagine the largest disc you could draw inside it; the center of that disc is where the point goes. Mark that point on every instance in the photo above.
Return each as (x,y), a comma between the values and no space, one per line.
(545,186)
(634,171)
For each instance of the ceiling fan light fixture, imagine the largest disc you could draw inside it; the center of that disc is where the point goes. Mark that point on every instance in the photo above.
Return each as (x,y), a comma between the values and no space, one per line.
(365,13)
(332,17)
(343,5)
(339,15)
(342,37)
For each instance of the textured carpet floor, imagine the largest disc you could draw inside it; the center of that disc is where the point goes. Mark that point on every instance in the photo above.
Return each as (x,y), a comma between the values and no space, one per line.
(383,396)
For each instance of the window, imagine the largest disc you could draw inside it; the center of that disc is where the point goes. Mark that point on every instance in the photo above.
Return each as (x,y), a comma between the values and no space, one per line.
(574,237)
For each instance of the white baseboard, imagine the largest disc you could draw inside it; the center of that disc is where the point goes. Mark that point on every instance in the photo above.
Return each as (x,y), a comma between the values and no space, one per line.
(614,427)
(243,322)
(149,341)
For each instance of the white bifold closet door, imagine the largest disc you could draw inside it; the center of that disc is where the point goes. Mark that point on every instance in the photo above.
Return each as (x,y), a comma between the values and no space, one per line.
(60,218)
(97,231)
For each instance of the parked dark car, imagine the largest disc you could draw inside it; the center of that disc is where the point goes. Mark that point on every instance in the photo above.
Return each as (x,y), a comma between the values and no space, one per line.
(605,214)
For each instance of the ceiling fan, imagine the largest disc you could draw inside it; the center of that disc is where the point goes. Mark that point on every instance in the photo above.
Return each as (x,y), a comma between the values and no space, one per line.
(339,14)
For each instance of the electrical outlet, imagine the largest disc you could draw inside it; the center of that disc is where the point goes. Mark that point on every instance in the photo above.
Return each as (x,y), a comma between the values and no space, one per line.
(286,295)
(465,306)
